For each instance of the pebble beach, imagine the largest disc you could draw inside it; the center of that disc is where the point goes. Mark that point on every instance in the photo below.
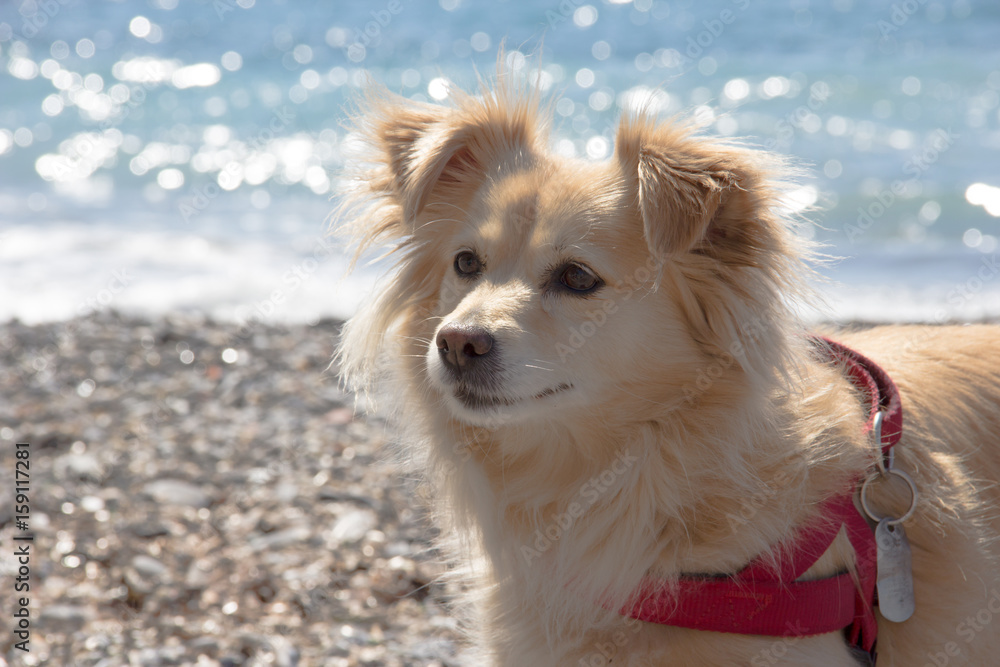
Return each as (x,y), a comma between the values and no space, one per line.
(202,495)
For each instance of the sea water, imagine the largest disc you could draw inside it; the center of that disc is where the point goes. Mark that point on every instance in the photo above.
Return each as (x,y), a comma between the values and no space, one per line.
(185,155)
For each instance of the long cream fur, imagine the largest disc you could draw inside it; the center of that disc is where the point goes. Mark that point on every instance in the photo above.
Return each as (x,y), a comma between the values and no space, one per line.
(700,428)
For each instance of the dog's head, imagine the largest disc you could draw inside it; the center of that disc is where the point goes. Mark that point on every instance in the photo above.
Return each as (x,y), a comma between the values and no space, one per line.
(532,284)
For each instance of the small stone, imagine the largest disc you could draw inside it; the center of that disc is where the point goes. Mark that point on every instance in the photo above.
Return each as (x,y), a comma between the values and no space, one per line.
(92,503)
(199,574)
(285,493)
(149,529)
(143,575)
(138,587)
(78,466)
(352,526)
(206,645)
(149,567)
(285,654)
(155,657)
(64,617)
(329,493)
(434,649)
(176,492)
(281,538)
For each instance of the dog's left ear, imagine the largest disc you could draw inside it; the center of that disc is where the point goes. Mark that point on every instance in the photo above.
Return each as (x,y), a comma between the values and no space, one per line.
(690,194)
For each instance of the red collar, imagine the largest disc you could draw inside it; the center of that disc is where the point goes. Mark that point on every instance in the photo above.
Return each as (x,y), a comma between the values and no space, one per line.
(763,600)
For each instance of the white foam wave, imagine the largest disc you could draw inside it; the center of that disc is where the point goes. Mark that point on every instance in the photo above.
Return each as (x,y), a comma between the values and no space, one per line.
(55,272)
(62,271)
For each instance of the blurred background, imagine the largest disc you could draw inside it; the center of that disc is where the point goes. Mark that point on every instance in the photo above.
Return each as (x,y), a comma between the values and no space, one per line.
(170,155)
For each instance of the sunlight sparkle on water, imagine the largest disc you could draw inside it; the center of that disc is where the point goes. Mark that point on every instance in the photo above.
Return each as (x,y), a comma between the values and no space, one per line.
(987,196)
(202,74)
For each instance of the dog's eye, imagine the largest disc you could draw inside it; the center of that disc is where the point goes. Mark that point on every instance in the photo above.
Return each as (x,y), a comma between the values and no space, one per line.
(467,264)
(579,278)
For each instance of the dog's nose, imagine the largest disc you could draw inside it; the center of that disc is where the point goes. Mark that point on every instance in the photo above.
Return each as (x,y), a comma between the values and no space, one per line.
(460,345)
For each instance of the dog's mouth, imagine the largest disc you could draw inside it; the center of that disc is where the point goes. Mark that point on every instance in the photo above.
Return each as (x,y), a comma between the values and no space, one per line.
(477,401)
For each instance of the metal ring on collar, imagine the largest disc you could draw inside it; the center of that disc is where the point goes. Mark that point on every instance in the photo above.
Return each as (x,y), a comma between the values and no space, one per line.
(883,466)
(913,493)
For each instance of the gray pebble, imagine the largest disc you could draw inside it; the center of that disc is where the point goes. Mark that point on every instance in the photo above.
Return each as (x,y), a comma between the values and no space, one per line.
(199,575)
(149,567)
(149,528)
(64,617)
(352,526)
(176,492)
(206,645)
(280,539)
(78,466)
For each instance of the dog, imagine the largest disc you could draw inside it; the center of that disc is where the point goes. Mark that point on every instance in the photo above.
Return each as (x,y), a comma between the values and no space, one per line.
(603,377)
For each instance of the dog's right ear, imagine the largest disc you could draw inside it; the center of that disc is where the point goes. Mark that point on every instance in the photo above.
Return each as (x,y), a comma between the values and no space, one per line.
(418,142)
(431,153)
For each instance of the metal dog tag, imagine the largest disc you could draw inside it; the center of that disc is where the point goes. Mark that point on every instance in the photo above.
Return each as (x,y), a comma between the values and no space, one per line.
(895,575)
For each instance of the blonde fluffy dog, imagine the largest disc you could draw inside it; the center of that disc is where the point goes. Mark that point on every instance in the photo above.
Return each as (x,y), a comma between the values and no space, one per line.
(600,372)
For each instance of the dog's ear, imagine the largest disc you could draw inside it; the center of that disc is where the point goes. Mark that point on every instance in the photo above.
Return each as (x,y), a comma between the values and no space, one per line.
(433,153)
(692,196)
(419,142)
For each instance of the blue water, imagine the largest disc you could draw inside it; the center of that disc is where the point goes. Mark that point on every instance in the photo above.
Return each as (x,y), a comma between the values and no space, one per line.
(197,145)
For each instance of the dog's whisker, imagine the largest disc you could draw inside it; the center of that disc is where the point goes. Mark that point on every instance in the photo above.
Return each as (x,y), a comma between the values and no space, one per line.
(453,205)
(541,368)
(437,220)
(419,339)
